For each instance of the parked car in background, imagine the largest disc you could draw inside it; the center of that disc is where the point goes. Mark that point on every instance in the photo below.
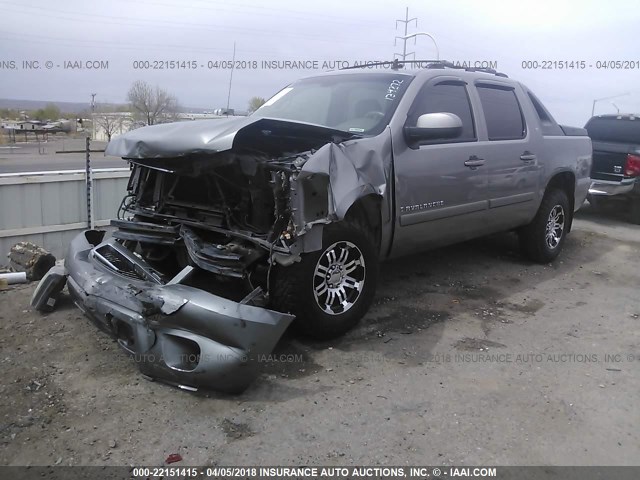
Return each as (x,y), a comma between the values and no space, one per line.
(616,161)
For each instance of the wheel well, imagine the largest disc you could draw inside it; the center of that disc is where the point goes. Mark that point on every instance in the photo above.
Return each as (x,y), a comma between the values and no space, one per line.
(565,181)
(367,209)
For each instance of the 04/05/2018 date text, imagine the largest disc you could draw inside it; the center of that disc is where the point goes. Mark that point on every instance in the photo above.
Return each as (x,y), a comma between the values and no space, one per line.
(580,64)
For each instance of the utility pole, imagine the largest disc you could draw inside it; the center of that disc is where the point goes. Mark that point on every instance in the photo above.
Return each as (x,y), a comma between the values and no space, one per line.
(596,100)
(414,35)
(233,63)
(404,38)
(89,184)
(93,115)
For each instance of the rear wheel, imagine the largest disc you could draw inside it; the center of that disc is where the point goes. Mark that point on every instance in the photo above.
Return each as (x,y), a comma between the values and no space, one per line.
(330,290)
(543,238)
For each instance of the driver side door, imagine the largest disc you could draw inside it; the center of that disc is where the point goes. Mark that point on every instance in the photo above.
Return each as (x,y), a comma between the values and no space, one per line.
(441,186)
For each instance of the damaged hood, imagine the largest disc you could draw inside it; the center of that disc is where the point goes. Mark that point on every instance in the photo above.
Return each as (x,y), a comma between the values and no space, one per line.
(179,139)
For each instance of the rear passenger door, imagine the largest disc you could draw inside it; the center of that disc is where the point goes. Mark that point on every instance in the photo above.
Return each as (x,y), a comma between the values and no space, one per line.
(512,164)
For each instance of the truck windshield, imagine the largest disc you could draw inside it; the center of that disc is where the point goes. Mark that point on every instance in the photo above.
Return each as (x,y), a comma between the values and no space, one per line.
(357,103)
(615,130)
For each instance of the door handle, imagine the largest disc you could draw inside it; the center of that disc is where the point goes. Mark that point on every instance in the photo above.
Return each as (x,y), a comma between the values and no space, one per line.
(527,156)
(474,162)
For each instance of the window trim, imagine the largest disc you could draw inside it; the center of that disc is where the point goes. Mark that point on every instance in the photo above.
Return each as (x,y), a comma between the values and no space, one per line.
(435,83)
(508,88)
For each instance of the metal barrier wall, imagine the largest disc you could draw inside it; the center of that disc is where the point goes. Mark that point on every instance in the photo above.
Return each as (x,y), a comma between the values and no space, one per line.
(50,208)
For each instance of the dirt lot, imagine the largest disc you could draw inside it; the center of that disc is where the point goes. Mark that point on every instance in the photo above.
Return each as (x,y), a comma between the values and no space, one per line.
(470,355)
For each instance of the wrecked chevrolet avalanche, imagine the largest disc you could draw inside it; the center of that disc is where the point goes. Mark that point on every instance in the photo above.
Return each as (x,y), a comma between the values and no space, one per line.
(233,229)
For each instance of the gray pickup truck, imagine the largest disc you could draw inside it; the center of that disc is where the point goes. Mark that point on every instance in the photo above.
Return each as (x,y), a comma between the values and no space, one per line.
(232,228)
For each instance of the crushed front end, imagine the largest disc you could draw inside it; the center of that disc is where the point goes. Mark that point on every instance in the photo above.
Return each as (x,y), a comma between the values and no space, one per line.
(182,282)
(176,332)
(185,281)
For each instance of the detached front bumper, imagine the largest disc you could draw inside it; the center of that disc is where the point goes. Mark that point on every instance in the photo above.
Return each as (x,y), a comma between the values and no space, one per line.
(176,333)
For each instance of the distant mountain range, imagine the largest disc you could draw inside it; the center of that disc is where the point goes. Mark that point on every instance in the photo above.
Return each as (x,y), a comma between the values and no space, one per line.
(70,107)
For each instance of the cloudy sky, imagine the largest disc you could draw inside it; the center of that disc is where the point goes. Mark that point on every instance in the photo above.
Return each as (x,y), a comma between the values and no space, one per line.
(126,34)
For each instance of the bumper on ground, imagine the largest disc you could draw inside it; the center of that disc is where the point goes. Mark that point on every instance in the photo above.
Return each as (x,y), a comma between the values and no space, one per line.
(176,333)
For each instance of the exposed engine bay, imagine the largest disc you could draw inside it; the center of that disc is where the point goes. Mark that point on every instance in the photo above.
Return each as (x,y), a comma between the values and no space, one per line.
(225,215)
(234,213)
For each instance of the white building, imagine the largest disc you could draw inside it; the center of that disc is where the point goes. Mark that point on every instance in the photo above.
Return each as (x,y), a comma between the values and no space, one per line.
(110,124)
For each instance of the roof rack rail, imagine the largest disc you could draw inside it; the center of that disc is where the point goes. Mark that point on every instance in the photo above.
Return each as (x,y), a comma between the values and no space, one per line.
(398,64)
(394,64)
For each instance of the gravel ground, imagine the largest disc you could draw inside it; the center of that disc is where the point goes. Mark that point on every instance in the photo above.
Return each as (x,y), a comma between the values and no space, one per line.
(470,355)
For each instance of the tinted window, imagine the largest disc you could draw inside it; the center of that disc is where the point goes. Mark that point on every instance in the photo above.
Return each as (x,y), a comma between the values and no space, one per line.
(502,113)
(612,129)
(446,97)
(542,113)
(547,123)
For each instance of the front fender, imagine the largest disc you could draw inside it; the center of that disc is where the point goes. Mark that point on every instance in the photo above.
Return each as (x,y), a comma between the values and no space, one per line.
(335,177)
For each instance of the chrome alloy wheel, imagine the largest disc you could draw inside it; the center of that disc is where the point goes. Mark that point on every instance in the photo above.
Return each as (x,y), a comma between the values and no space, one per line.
(339,278)
(555,227)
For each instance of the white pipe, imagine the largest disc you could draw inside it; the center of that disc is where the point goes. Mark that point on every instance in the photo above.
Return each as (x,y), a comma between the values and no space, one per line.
(11,278)
(64,172)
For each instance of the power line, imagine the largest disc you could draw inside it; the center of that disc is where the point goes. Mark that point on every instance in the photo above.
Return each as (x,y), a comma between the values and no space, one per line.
(314,16)
(247,9)
(126,21)
(127,46)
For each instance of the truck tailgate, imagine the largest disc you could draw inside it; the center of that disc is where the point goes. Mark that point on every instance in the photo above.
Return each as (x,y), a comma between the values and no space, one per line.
(609,160)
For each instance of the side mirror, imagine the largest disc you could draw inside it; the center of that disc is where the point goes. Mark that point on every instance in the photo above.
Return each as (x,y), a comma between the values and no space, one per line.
(434,126)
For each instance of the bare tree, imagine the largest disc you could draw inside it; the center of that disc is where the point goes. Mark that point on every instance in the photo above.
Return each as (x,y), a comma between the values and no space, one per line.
(109,123)
(152,105)
(255,103)
(111,120)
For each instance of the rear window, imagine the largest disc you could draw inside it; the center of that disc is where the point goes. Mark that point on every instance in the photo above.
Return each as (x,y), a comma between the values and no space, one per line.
(501,112)
(547,123)
(616,130)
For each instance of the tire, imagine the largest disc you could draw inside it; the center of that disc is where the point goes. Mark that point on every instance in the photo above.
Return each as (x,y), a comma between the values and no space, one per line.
(634,211)
(541,240)
(308,290)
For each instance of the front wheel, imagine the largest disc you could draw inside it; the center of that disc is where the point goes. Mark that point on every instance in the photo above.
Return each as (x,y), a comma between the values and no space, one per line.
(330,290)
(543,238)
